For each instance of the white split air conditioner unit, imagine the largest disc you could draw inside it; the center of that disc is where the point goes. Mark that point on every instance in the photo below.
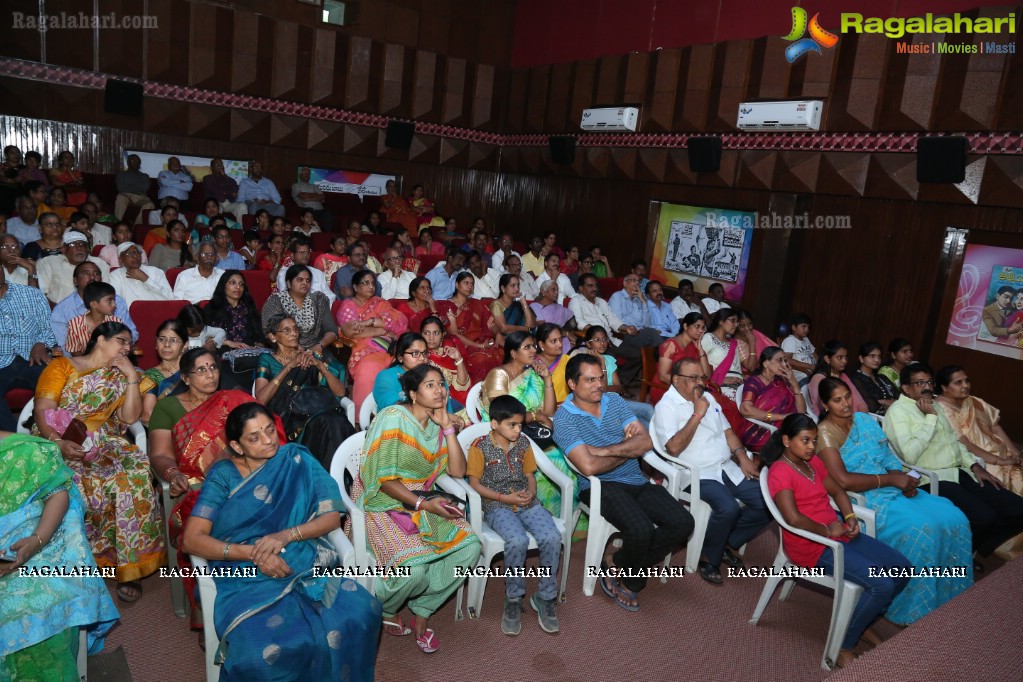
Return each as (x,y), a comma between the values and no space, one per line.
(610,118)
(780,116)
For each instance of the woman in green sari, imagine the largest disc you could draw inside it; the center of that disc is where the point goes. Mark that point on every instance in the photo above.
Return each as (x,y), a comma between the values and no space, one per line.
(41,524)
(525,376)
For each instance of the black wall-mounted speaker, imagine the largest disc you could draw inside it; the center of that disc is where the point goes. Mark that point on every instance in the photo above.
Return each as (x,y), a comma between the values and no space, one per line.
(562,149)
(704,154)
(399,134)
(941,159)
(123,98)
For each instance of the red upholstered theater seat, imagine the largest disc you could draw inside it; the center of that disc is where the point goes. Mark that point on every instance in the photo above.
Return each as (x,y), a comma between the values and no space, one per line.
(609,285)
(172,276)
(17,398)
(258,282)
(248,221)
(428,263)
(96,249)
(370,203)
(321,241)
(147,316)
(377,242)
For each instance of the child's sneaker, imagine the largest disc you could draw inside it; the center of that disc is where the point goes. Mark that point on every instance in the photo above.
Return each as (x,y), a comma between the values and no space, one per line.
(545,611)
(511,623)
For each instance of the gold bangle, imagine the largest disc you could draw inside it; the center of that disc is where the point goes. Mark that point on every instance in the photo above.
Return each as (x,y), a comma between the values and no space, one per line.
(227,548)
(850,515)
(878,480)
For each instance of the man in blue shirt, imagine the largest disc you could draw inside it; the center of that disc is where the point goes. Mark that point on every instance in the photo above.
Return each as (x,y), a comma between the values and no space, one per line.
(357,259)
(227,259)
(602,437)
(662,317)
(257,192)
(73,305)
(442,277)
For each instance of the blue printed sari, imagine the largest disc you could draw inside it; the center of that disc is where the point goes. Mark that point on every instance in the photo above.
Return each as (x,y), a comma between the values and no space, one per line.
(297,627)
(930,531)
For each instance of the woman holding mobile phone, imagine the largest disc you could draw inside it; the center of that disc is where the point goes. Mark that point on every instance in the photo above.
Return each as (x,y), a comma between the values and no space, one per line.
(929,530)
(408,446)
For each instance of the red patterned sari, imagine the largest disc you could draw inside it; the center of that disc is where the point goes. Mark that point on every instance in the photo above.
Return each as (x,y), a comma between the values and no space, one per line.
(472,320)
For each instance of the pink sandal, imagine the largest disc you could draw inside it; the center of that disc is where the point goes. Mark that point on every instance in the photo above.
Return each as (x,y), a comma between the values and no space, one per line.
(427,641)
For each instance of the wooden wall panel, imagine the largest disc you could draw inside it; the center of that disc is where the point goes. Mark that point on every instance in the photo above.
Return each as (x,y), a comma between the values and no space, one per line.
(21,42)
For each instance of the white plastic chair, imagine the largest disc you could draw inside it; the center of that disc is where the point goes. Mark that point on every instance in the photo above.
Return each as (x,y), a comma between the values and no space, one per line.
(846,593)
(83,655)
(472,404)
(348,457)
(601,530)
(805,390)
(208,596)
(366,412)
(492,542)
(688,476)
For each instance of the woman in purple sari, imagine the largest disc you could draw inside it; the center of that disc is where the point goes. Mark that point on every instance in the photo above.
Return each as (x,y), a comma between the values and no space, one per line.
(770,395)
(548,308)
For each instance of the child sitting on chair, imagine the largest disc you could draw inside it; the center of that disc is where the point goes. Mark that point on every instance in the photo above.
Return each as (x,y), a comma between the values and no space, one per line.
(500,468)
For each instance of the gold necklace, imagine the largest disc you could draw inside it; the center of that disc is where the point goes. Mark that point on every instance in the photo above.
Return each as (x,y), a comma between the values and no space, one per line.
(813,475)
(285,360)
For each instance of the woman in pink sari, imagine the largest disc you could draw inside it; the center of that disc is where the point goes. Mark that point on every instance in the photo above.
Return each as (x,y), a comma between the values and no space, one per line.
(372,324)
(728,355)
(755,340)
(473,327)
(769,395)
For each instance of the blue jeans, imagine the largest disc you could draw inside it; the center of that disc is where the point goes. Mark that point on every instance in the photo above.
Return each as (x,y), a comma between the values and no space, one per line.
(512,527)
(729,523)
(861,554)
(644,412)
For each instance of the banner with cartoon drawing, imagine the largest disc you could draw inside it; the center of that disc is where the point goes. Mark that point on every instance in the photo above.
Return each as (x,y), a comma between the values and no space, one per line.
(987,314)
(703,245)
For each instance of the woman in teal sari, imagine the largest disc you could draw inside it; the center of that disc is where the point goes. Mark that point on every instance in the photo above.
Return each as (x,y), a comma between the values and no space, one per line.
(171,343)
(271,506)
(41,523)
(525,376)
(929,530)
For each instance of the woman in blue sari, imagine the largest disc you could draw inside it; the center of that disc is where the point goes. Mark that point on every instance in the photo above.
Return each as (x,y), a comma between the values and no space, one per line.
(171,344)
(271,506)
(41,524)
(929,530)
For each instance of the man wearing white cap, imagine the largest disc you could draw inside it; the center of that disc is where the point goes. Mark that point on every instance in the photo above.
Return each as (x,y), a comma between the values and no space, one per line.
(134,281)
(56,273)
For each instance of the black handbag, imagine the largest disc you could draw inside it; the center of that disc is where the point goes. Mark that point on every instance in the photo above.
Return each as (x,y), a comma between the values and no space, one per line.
(539,434)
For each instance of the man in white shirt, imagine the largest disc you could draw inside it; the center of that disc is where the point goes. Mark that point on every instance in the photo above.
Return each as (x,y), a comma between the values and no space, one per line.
(716,301)
(302,253)
(56,273)
(197,284)
(497,261)
(626,342)
(101,234)
(258,192)
(174,182)
(686,301)
(552,271)
(17,270)
(25,226)
(487,279)
(134,281)
(394,282)
(527,283)
(689,424)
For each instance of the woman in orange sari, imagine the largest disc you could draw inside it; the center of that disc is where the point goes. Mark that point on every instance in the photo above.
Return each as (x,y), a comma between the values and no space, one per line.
(186,438)
(472,326)
(397,209)
(372,324)
(65,175)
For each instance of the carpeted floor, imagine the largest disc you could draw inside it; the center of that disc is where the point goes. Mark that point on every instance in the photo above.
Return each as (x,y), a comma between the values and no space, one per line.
(686,628)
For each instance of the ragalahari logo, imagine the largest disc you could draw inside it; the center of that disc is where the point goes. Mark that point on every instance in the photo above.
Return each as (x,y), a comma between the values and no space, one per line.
(818,36)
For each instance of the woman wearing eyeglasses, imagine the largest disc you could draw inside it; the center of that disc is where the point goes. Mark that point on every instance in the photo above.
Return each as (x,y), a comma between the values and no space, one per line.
(100,393)
(408,352)
(186,437)
(171,343)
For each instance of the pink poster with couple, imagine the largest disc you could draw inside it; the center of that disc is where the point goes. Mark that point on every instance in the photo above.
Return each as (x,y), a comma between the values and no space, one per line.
(987,314)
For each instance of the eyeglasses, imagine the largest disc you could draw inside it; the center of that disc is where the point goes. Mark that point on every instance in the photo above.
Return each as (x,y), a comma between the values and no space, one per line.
(288,330)
(206,369)
(921,384)
(692,377)
(631,280)
(9,247)
(169,340)
(417,353)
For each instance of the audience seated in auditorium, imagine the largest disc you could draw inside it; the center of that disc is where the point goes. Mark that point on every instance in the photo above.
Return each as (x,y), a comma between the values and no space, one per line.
(487,279)
(552,272)
(876,389)
(834,359)
(307,224)
(630,305)
(421,304)
(403,243)
(26,340)
(64,175)
(532,260)
(596,342)
(770,394)
(357,260)
(100,303)
(601,266)
(51,241)
(171,344)
(685,344)
(227,258)
(73,304)
(232,309)
(442,276)
(84,221)
(174,181)
(801,352)
(17,270)
(552,354)
(570,264)
(510,310)
(662,317)
(473,328)
(628,340)
(481,245)
(10,185)
(550,240)
(311,309)
(25,225)
(158,234)
(331,261)
(445,356)
(211,210)
(57,272)
(176,252)
(394,281)
(136,281)
(603,438)
(900,354)
(548,307)
(197,283)
(801,487)
(921,434)
(33,172)
(728,356)
(978,425)
(259,192)
(421,206)
(222,187)
(56,202)
(309,197)
(504,251)
(688,424)
(276,258)
(527,283)
(302,253)
(756,341)
(396,208)
(716,299)
(374,224)
(928,530)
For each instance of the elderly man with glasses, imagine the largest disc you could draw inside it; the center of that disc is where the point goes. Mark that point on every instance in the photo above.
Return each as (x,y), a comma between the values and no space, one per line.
(197,284)
(56,273)
(689,424)
(921,434)
(394,281)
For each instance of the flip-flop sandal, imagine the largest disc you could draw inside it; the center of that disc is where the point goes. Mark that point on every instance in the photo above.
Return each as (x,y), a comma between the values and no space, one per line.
(397,627)
(613,589)
(126,596)
(428,641)
(628,595)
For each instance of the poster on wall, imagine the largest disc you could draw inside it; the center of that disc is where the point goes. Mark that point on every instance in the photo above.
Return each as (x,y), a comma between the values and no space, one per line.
(703,245)
(348,182)
(198,166)
(987,314)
